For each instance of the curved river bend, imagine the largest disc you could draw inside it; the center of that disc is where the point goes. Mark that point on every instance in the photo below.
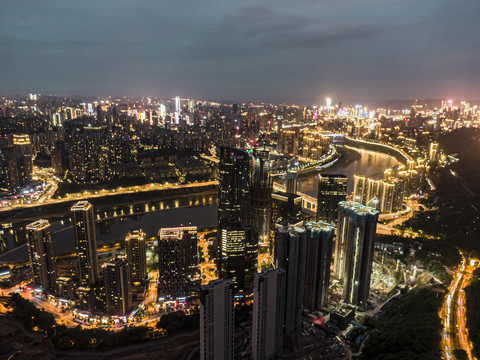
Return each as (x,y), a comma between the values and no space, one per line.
(114,223)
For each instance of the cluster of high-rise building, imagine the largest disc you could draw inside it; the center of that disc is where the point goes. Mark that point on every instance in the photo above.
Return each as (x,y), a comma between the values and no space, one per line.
(16,162)
(120,275)
(306,142)
(387,194)
(300,280)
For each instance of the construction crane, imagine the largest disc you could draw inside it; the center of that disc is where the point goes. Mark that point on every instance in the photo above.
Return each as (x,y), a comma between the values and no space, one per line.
(257,140)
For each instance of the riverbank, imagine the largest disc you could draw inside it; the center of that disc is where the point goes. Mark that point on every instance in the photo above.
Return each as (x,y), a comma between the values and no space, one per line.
(59,208)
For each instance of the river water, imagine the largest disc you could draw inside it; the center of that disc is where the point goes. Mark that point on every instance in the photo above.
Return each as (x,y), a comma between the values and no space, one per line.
(201,211)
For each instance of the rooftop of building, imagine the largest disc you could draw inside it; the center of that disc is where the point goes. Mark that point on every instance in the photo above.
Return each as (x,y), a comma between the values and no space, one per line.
(175,232)
(330,176)
(358,211)
(135,234)
(320,229)
(38,225)
(81,205)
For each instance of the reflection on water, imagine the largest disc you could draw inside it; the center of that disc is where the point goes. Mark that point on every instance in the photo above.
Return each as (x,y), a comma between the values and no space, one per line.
(371,164)
(113,223)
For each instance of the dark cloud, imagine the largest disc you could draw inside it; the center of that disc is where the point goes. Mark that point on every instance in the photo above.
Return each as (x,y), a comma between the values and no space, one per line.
(275,49)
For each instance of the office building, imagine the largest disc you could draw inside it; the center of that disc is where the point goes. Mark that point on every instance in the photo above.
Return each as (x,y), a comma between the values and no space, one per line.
(86,243)
(136,256)
(42,257)
(238,254)
(118,290)
(268,314)
(357,225)
(234,185)
(290,247)
(331,190)
(217,316)
(261,195)
(317,265)
(178,109)
(178,262)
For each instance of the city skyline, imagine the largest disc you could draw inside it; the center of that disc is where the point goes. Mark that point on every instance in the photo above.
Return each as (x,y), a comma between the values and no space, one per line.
(376,50)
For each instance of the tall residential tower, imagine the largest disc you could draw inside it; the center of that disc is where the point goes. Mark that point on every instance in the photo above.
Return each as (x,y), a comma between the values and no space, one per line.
(268,314)
(317,267)
(42,257)
(357,227)
(86,243)
(217,315)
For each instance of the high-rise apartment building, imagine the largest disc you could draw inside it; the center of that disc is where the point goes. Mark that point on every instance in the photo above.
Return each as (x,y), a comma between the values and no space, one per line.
(217,316)
(290,247)
(291,182)
(331,190)
(136,255)
(24,154)
(360,189)
(356,233)
(234,185)
(118,290)
(261,195)
(268,314)
(42,257)
(178,262)
(317,266)
(86,243)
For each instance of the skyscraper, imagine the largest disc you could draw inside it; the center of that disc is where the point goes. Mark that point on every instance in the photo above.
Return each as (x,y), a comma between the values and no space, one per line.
(136,255)
(86,243)
(290,255)
(331,190)
(217,316)
(177,110)
(317,267)
(42,257)
(118,291)
(234,182)
(178,262)
(268,314)
(356,229)
(260,195)
(238,254)
(433,153)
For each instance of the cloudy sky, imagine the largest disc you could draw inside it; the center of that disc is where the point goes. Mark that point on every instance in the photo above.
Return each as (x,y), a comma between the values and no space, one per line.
(274,50)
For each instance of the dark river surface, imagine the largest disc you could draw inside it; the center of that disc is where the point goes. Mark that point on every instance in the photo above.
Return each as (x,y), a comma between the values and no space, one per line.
(200,210)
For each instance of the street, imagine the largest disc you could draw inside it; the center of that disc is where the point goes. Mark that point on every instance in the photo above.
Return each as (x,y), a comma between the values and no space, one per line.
(453,313)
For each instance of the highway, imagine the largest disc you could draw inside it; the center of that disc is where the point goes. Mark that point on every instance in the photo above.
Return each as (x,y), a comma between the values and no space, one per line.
(453,313)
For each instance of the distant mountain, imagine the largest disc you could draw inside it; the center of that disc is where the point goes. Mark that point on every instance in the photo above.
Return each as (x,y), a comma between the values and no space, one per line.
(407,104)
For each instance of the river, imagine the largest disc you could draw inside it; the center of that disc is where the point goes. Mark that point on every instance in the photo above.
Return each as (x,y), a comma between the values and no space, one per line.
(113,223)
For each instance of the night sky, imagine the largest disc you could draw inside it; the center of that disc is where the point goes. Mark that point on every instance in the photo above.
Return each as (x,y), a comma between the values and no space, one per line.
(295,51)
